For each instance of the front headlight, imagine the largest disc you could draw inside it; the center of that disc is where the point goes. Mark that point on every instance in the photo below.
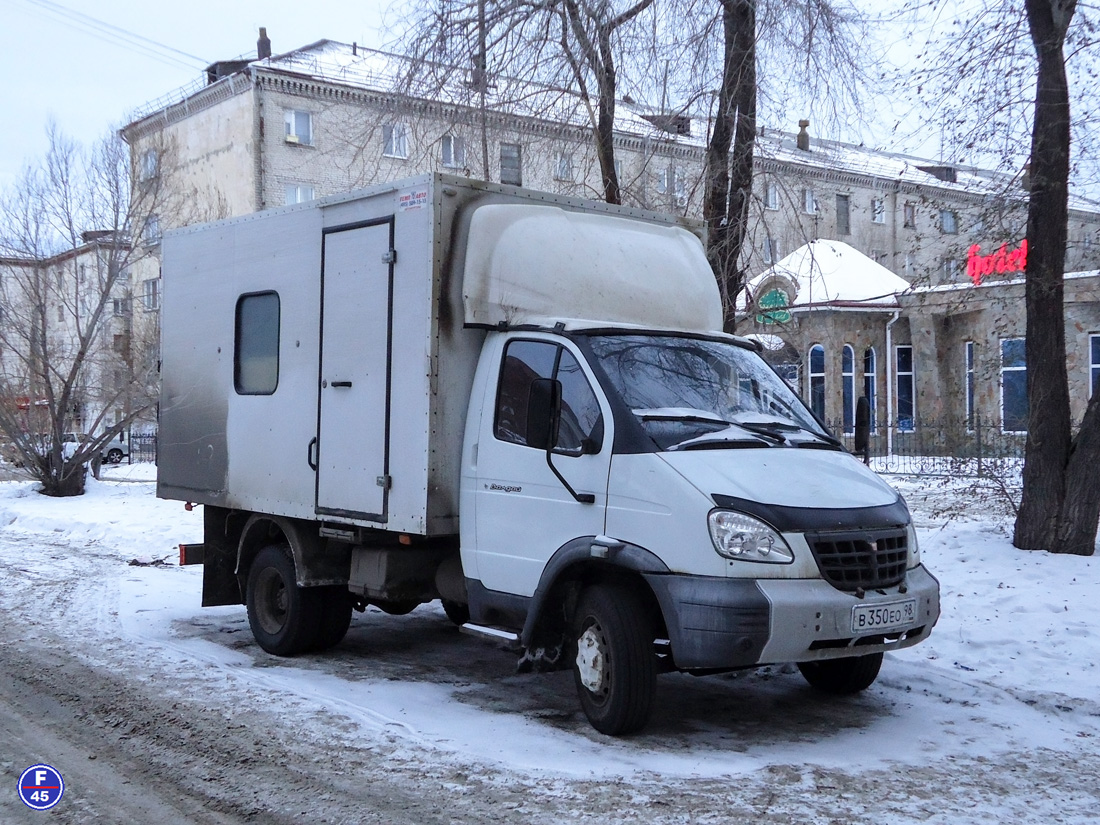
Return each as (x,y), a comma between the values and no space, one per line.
(914,548)
(738,536)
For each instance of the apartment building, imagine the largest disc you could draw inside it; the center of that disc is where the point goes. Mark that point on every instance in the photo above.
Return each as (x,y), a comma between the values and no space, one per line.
(331,116)
(50,317)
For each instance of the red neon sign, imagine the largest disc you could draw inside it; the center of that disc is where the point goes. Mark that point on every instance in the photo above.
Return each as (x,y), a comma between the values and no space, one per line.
(1002,261)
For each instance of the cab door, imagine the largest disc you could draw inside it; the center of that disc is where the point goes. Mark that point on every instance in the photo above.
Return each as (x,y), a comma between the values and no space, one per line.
(523,512)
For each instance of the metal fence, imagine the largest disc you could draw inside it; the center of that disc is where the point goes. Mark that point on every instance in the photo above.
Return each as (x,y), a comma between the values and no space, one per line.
(950,448)
(143,447)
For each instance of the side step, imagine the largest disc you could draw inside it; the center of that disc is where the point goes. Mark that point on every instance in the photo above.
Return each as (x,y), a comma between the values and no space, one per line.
(497,634)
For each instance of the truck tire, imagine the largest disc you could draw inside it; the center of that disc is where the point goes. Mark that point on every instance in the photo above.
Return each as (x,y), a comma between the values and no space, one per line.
(615,669)
(841,677)
(335,618)
(457,612)
(284,617)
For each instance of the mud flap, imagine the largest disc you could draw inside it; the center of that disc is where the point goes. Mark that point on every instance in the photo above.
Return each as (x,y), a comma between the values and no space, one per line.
(219,581)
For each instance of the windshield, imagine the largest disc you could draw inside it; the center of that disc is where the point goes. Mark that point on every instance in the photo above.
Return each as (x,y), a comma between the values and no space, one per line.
(683,389)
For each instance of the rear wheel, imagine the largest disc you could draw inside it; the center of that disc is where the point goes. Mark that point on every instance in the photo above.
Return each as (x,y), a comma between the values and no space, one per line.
(335,616)
(842,676)
(615,669)
(114,455)
(284,617)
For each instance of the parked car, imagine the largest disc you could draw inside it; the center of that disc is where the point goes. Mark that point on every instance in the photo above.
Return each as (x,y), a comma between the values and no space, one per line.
(115,450)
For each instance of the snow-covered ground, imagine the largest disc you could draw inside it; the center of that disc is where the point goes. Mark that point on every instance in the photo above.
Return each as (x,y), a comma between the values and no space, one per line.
(995,718)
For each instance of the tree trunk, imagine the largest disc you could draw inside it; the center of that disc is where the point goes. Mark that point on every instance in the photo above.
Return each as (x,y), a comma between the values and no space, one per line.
(1081,511)
(1047,519)
(728,177)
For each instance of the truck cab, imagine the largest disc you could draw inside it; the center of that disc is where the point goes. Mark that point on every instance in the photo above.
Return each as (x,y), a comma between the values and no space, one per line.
(636,482)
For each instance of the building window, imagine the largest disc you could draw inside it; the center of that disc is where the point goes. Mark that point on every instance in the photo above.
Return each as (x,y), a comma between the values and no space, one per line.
(870,384)
(880,257)
(511,165)
(843,223)
(150,233)
(563,166)
(256,354)
(848,387)
(150,294)
(299,127)
(395,140)
(771,196)
(671,181)
(809,202)
(878,210)
(121,307)
(1094,364)
(910,266)
(771,250)
(1013,386)
(454,152)
(816,376)
(949,222)
(906,397)
(969,386)
(909,215)
(950,270)
(150,164)
(298,193)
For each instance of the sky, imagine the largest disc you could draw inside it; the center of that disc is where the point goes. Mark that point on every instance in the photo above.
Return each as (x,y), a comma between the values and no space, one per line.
(58,64)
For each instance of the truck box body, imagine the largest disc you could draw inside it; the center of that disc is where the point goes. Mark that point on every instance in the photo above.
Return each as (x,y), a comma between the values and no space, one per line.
(369,293)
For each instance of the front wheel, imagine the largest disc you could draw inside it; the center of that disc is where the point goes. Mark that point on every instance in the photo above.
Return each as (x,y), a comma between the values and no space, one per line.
(114,455)
(284,617)
(842,676)
(615,669)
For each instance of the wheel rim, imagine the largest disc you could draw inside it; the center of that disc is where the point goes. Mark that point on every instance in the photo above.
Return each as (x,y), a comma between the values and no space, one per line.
(592,661)
(271,606)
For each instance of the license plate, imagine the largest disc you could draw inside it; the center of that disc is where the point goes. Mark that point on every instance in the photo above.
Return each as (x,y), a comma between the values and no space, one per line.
(880,617)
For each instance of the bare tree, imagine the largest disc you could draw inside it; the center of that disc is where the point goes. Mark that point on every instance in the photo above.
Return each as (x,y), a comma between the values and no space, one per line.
(745,54)
(1012,63)
(551,57)
(69,232)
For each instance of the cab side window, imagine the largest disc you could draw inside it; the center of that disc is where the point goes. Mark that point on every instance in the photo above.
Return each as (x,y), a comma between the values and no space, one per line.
(524,361)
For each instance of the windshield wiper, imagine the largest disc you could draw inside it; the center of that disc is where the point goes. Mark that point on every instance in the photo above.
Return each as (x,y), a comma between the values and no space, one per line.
(681,414)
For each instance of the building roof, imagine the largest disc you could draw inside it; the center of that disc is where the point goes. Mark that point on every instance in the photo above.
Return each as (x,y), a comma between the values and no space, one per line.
(827,274)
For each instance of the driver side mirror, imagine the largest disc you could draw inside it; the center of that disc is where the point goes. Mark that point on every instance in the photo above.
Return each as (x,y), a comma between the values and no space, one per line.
(543,413)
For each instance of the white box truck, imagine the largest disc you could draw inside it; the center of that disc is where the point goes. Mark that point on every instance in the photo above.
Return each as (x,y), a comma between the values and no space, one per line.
(523,405)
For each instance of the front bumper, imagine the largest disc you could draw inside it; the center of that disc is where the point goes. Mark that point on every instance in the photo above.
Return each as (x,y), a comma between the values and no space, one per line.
(716,623)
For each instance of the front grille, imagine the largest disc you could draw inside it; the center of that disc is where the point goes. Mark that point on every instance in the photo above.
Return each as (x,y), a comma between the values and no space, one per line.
(865,560)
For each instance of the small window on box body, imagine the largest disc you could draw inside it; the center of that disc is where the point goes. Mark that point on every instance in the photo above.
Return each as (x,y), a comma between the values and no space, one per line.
(256,355)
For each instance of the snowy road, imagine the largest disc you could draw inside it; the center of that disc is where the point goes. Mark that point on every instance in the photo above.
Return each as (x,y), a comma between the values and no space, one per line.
(156,710)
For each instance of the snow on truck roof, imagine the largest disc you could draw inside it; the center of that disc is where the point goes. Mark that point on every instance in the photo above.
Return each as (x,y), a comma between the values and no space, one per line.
(527,264)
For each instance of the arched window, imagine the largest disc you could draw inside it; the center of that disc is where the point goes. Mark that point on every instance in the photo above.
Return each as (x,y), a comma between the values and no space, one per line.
(816,377)
(848,387)
(870,384)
